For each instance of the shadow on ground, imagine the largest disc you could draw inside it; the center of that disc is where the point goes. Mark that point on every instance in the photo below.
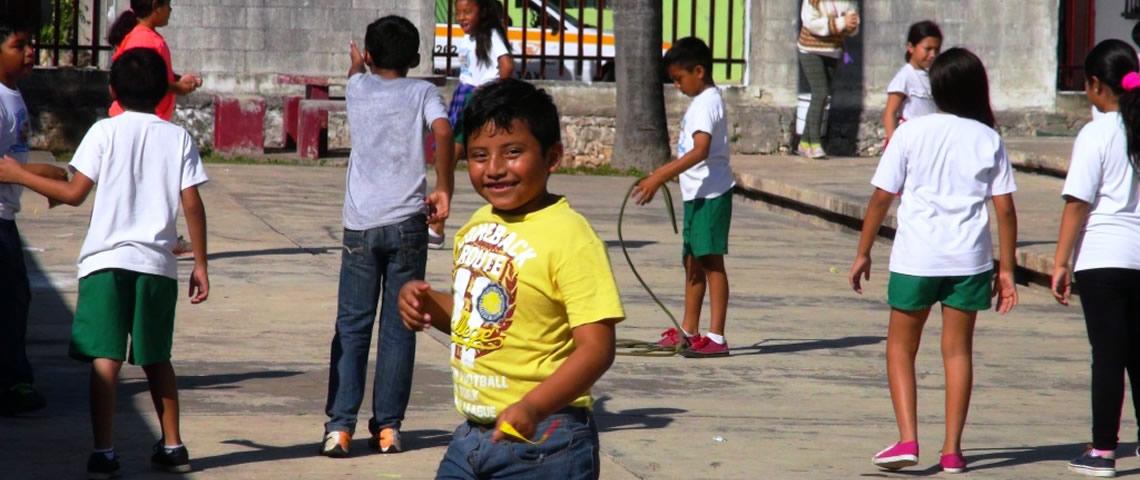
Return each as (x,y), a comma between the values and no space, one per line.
(795,345)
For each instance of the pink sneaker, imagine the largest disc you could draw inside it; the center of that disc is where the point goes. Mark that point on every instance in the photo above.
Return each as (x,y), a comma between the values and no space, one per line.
(671,337)
(899,455)
(702,347)
(953,463)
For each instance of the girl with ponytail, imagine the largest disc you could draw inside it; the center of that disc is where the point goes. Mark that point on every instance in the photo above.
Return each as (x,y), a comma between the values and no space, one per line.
(1100,229)
(136,28)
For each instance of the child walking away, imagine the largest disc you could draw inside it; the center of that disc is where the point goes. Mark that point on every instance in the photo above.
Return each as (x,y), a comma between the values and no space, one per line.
(534,306)
(385,229)
(908,95)
(706,187)
(145,167)
(484,56)
(17,393)
(1100,228)
(945,166)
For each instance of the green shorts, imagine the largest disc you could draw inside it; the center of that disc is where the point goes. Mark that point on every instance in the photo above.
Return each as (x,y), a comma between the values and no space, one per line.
(114,304)
(706,226)
(968,293)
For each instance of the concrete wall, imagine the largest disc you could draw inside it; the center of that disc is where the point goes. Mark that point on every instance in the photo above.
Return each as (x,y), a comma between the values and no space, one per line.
(240,45)
(1016,40)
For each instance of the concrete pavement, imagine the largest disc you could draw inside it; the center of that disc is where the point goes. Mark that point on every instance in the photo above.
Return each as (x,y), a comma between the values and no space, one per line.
(803,396)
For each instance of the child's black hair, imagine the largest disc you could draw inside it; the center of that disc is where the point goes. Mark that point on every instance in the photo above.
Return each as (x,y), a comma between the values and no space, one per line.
(130,18)
(688,53)
(919,31)
(18,16)
(961,87)
(490,22)
(393,42)
(501,102)
(1109,61)
(138,78)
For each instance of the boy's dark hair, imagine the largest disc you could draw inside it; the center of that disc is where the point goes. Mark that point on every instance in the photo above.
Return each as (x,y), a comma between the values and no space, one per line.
(689,52)
(490,22)
(393,42)
(919,31)
(1109,61)
(501,102)
(130,18)
(19,16)
(138,78)
(961,87)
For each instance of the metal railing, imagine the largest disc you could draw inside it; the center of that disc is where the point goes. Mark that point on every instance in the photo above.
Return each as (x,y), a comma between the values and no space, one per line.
(59,43)
(568,39)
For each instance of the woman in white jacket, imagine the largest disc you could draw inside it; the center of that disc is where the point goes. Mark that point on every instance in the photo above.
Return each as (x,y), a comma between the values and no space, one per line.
(826,24)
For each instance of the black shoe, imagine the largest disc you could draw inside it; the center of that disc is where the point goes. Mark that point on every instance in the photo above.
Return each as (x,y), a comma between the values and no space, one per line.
(21,398)
(173,461)
(1087,464)
(99,468)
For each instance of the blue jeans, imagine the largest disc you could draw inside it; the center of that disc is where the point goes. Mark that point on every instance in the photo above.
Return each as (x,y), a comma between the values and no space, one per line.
(15,295)
(374,261)
(571,451)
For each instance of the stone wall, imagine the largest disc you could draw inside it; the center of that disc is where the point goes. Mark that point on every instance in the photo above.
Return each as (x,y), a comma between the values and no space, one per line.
(1016,40)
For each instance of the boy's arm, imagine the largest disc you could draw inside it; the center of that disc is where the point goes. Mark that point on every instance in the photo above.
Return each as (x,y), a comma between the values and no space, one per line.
(593,355)
(357,59)
(1007,252)
(46,170)
(72,193)
(195,213)
(440,199)
(647,187)
(421,307)
(1073,218)
(877,208)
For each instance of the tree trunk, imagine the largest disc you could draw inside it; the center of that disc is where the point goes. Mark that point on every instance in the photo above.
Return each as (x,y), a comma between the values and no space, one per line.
(642,138)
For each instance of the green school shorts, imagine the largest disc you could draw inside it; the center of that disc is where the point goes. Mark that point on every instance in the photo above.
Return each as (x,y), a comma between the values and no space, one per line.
(968,293)
(706,225)
(115,304)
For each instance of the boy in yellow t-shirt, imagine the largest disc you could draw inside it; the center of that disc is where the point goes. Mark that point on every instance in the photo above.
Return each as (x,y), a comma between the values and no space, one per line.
(534,302)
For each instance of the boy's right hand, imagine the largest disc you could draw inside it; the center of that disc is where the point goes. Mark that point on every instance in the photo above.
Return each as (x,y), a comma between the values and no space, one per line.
(199,285)
(860,270)
(10,169)
(355,57)
(1062,285)
(411,305)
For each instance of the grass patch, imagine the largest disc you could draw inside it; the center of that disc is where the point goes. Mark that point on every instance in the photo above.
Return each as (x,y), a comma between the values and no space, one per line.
(213,157)
(601,170)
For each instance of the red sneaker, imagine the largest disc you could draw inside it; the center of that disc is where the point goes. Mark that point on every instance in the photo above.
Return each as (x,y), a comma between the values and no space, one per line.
(704,347)
(671,337)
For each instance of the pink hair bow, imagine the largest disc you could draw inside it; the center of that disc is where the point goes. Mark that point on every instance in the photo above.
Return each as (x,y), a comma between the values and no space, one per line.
(1131,81)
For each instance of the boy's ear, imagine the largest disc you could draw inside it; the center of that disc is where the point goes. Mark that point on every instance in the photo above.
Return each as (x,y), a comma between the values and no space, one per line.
(554,157)
(111,90)
(367,58)
(701,73)
(415,62)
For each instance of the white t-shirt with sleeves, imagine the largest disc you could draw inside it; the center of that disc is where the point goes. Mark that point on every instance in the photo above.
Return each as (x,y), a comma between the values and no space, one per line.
(471,70)
(915,84)
(140,164)
(13,143)
(711,177)
(1101,174)
(945,168)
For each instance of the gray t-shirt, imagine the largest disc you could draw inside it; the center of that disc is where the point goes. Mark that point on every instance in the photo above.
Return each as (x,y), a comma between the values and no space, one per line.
(387,119)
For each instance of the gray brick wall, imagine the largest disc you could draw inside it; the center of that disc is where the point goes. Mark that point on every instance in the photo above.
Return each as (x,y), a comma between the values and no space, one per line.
(237,44)
(1016,40)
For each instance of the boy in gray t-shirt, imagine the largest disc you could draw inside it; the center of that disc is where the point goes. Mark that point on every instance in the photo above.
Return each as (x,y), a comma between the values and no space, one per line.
(386,211)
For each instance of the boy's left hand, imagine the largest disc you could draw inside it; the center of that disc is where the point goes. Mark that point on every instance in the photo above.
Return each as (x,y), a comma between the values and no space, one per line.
(1006,292)
(520,415)
(645,190)
(355,57)
(439,206)
(10,169)
(199,285)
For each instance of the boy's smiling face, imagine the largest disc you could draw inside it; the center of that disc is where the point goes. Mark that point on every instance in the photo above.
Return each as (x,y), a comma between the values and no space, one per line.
(16,57)
(508,168)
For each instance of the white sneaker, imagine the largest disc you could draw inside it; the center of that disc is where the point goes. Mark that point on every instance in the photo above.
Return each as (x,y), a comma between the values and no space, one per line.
(435,240)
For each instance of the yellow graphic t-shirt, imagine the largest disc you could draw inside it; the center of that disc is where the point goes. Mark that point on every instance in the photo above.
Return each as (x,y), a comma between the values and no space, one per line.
(521,284)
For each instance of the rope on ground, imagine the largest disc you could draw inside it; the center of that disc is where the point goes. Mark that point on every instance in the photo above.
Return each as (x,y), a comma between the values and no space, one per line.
(636,347)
